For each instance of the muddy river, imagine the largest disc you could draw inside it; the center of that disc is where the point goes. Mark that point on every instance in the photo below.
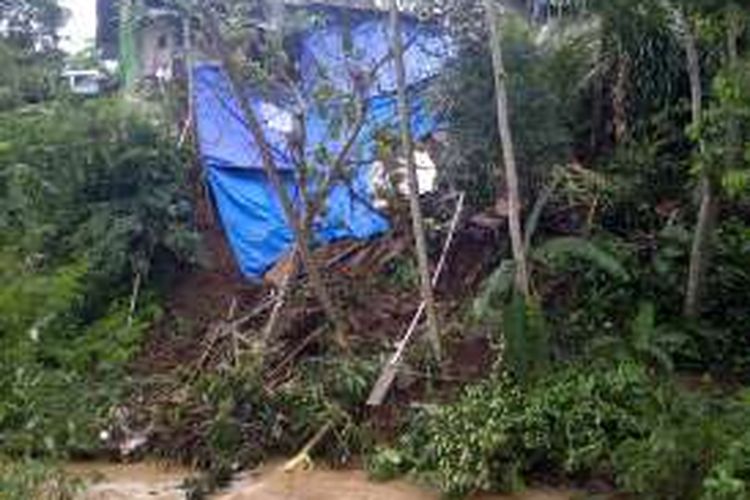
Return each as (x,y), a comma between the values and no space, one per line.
(149,481)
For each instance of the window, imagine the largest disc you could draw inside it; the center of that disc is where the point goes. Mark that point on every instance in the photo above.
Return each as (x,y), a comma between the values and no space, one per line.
(156,4)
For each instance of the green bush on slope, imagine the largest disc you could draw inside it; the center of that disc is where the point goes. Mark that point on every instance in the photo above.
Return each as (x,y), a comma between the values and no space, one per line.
(578,422)
(90,197)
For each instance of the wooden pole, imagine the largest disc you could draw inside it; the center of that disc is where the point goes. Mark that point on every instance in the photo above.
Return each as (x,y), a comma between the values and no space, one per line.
(407,145)
(509,158)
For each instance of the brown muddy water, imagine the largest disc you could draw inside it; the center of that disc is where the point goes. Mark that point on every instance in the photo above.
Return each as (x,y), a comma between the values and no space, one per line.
(151,481)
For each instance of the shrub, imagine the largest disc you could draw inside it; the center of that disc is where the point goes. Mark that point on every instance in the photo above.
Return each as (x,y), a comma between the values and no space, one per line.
(697,449)
(729,478)
(234,419)
(91,196)
(670,460)
(21,480)
(497,433)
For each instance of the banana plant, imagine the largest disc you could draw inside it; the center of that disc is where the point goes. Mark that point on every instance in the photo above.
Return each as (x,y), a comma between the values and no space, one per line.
(524,342)
(647,341)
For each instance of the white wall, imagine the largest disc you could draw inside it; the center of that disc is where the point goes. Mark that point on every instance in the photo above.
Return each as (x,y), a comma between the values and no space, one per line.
(154,57)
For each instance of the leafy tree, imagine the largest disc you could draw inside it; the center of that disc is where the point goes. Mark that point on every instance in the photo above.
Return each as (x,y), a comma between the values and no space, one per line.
(31,24)
(684,26)
(542,82)
(28,50)
(91,198)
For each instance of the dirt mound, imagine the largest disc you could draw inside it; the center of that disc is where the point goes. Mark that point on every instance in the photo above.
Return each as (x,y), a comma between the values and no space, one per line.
(197,300)
(212,315)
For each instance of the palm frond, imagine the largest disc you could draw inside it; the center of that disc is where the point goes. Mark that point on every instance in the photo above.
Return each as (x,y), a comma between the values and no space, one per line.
(495,291)
(554,250)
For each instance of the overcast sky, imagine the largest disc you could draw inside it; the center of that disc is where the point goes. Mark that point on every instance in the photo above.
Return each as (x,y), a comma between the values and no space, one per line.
(81,28)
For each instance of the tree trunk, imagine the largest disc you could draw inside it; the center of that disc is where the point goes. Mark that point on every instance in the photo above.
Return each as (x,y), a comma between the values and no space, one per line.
(705,226)
(597,101)
(701,250)
(734,32)
(411,170)
(301,232)
(511,173)
(709,209)
(620,98)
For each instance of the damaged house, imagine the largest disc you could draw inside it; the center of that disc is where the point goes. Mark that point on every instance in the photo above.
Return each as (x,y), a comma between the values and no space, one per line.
(332,54)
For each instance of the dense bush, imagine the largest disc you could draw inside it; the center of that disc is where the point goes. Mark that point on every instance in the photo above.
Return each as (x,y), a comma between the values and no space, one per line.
(647,436)
(698,449)
(91,197)
(272,418)
(497,433)
(236,419)
(21,480)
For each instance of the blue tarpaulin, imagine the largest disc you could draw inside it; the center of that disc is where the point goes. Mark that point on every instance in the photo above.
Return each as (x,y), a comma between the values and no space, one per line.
(249,210)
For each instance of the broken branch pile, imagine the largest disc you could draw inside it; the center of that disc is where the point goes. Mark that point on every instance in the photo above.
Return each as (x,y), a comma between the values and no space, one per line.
(257,362)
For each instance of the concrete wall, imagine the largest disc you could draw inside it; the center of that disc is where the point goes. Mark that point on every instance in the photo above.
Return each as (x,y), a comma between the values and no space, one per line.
(157,45)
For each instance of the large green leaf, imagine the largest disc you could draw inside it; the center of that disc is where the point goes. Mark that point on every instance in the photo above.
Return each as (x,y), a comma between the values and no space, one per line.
(559,250)
(495,291)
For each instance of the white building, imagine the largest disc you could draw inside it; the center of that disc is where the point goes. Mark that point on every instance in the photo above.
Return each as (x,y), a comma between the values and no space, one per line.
(85,82)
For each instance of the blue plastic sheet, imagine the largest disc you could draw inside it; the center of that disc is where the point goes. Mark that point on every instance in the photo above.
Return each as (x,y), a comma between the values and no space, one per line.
(249,210)
(349,42)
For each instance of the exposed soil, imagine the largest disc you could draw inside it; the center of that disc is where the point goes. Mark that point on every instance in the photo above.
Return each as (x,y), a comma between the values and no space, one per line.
(201,296)
(360,275)
(379,312)
(198,299)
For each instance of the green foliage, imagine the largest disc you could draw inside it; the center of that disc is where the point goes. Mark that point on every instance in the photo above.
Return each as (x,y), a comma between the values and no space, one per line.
(242,422)
(729,478)
(403,274)
(541,88)
(613,420)
(559,250)
(386,463)
(525,343)
(51,412)
(718,344)
(723,133)
(28,54)
(231,419)
(497,433)
(518,327)
(525,339)
(92,196)
(32,23)
(645,173)
(333,390)
(695,450)
(94,178)
(29,76)
(25,479)
(587,307)
(635,35)
(470,445)
(579,415)
(646,342)
(495,291)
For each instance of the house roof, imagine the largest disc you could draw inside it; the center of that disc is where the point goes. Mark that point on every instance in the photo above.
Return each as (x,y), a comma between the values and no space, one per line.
(348,4)
(108,12)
